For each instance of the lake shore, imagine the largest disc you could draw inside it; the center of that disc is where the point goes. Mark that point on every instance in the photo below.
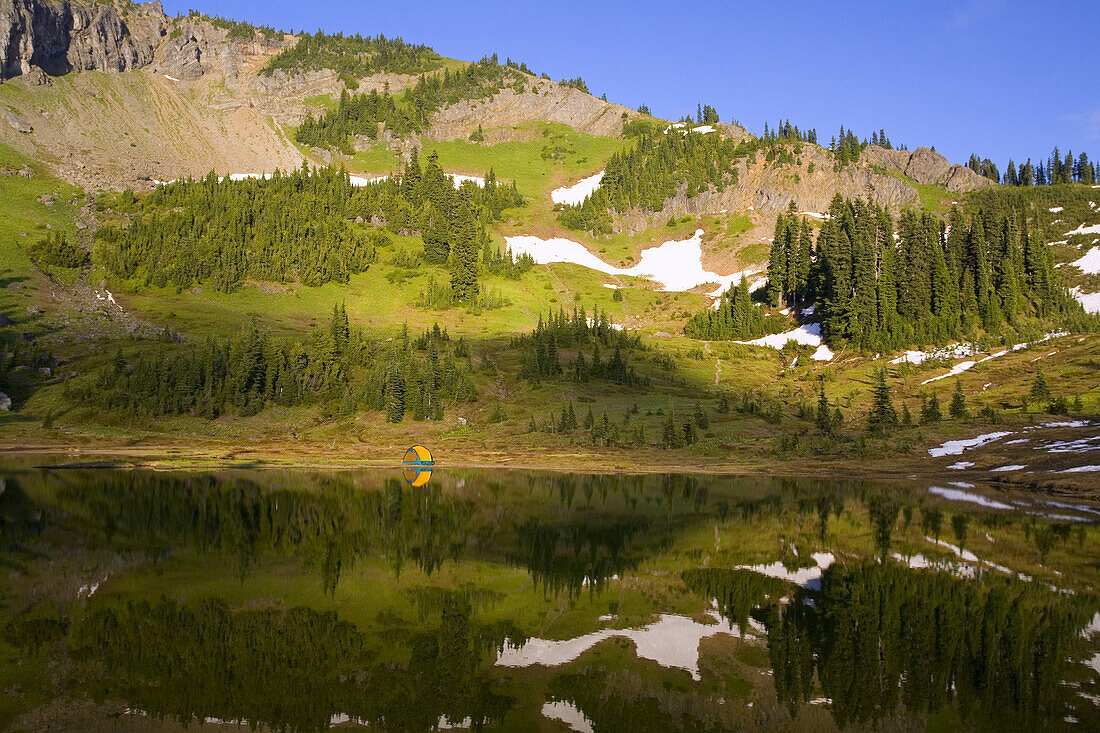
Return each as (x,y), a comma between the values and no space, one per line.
(1029,467)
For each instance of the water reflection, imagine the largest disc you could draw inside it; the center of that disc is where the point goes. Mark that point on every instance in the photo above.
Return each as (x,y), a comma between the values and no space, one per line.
(289,670)
(881,638)
(619,602)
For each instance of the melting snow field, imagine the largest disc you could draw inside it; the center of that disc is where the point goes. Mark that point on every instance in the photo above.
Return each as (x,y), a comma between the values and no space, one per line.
(1090,263)
(1082,229)
(671,641)
(808,335)
(578,192)
(1089,301)
(959,368)
(956,447)
(948,352)
(676,265)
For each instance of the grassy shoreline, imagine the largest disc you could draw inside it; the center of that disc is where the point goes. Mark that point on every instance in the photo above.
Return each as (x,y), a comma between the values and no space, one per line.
(317,456)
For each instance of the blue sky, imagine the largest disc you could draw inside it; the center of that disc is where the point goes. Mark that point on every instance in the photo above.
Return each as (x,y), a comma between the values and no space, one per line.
(1003,78)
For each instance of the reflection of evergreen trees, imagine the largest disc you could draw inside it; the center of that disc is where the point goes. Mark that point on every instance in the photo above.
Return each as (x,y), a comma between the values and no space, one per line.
(289,670)
(172,661)
(567,557)
(241,521)
(883,638)
(737,591)
(619,701)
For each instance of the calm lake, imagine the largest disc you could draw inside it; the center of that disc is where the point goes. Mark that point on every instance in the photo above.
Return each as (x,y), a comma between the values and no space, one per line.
(302,601)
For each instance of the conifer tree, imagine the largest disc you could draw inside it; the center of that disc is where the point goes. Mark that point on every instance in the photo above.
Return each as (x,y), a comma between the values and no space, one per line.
(824,413)
(930,409)
(700,417)
(395,402)
(883,417)
(1040,389)
(958,403)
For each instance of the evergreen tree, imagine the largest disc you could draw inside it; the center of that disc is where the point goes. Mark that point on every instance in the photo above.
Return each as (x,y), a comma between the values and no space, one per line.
(1040,389)
(930,409)
(395,401)
(958,403)
(824,419)
(700,417)
(883,417)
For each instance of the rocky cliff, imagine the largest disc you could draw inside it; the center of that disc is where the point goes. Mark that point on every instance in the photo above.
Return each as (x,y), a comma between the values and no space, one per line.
(40,39)
(925,165)
(541,100)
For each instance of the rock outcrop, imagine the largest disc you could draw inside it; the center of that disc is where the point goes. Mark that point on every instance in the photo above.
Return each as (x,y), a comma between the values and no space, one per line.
(925,165)
(17,121)
(40,38)
(541,100)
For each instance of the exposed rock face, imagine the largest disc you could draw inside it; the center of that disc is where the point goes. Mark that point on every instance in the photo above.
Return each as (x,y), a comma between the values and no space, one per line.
(767,188)
(541,100)
(59,37)
(17,122)
(182,57)
(925,165)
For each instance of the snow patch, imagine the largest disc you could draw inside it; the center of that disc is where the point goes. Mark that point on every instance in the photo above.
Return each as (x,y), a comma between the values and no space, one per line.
(1089,301)
(677,264)
(578,192)
(1090,263)
(1082,229)
(956,447)
(108,296)
(365,180)
(458,179)
(960,465)
(166,76)
(703,129)
(955,351)
(1056,209)
(1081,469)
(807,335)
(959,368)
(1010,467)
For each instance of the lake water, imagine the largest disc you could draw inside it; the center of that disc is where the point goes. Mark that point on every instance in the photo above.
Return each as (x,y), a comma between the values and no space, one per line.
(302,601)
